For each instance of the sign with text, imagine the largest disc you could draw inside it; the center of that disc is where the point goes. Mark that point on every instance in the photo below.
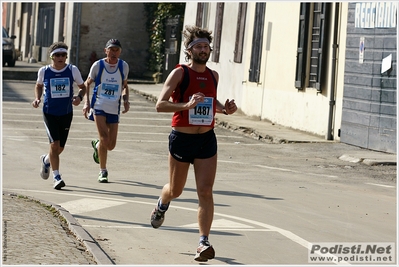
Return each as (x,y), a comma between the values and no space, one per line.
(348,253)
(376,14)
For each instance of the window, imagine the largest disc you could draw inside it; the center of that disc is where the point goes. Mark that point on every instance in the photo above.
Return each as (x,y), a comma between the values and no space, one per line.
(257,40)
(311,45)
(202,15)
(239,44)
(218,32)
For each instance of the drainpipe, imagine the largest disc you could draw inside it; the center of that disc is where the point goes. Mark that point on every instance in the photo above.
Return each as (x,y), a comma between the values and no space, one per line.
(79,15)
(333,74)
(32,33)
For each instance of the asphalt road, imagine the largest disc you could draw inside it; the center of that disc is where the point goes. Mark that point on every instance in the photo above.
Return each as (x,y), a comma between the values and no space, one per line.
(271,200)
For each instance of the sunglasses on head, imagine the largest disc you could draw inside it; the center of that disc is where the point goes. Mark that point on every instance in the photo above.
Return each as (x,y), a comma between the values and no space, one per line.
(60,54)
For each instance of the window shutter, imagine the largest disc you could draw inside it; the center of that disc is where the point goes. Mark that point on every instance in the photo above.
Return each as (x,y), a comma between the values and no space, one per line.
(218,32)
(300,73)
(200,13)
(239,44)
(323,17)
(257,40)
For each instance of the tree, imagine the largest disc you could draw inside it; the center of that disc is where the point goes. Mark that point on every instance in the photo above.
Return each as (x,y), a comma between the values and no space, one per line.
(157,14)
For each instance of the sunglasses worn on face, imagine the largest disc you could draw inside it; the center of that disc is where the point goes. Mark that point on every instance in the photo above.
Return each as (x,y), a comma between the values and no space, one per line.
(60,55)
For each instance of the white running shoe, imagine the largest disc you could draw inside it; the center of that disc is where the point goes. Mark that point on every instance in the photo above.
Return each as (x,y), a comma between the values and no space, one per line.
(58,182)
(45,168)
(205,252)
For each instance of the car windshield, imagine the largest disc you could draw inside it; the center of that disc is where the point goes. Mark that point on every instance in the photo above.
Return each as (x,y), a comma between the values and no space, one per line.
(5,34)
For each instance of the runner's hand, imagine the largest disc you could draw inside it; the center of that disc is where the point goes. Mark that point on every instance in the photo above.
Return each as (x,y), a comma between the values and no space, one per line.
(126,105)
(230,106)
(86,110)
(195,99)
(36,103)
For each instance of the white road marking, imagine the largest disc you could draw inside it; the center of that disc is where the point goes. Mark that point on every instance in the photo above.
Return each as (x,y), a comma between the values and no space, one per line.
(278,169)
(88,204)
(232,162)
(17,138)
(165,228)
(293,171)
(85,122)
(382,185)
(221,223)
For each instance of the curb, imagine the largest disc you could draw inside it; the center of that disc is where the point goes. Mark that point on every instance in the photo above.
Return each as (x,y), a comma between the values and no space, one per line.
(20,75)
(80,233)
(367,161)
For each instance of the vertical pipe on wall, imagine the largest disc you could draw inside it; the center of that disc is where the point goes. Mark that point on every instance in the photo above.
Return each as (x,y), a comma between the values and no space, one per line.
(32,32)
(78,21)
(333,74)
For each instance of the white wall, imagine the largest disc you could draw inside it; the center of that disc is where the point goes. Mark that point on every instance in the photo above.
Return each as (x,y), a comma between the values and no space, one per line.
(231,74)
(275,98)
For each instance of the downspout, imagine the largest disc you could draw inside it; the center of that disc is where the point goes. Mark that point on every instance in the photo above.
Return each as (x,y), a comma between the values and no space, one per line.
(32,33)
(79,15)
(333,74)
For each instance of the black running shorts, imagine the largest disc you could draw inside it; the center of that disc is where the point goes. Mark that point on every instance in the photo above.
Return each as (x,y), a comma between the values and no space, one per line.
(57,127)
(187,147)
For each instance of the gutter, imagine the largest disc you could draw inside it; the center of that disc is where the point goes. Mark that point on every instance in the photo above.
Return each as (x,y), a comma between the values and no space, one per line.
(333,74)
(79,15)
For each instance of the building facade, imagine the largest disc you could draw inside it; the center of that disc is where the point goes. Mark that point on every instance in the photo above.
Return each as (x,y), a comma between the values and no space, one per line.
(288,63)
(326,68)
(85,27)
(369,117)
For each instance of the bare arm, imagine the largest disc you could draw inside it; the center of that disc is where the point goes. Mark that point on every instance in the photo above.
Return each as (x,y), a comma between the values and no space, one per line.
(79,97)
(165,105)
(82,90)
(86,106)
(125,97)
(87,84)
(38,95)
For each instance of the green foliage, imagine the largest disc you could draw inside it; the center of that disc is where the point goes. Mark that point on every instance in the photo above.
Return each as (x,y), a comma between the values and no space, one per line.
(156,15)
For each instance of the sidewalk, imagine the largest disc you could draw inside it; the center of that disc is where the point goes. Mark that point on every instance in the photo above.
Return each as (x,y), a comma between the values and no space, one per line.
(25,243)
(42,233)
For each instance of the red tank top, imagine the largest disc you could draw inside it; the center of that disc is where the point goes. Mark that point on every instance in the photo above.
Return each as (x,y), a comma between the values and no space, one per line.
(203,114)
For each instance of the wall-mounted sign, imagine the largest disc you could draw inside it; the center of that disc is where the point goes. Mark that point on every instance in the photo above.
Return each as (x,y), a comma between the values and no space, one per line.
(376,14)
(386,63)
(361,50)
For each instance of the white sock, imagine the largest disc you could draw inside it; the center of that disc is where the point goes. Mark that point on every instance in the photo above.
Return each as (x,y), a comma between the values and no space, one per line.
(55,173)
(98,143)
(46,159)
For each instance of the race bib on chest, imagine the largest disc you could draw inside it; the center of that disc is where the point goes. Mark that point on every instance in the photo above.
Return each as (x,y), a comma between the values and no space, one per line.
(202,114)
(109,91)
(59,87)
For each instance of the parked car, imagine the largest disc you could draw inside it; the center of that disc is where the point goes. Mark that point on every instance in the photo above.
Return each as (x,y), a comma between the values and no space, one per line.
(9,53)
